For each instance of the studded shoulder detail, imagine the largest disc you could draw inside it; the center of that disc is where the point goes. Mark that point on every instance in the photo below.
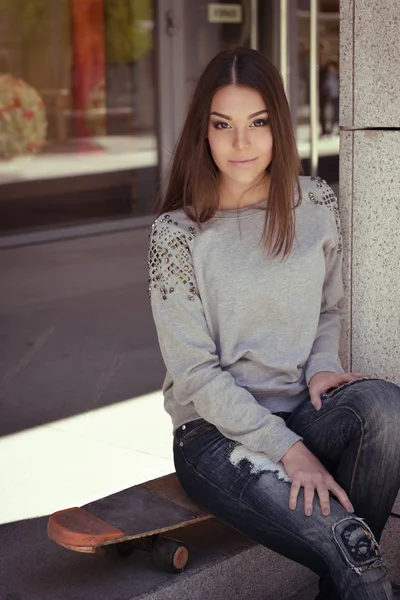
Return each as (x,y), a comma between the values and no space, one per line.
(170,263)
(325,196)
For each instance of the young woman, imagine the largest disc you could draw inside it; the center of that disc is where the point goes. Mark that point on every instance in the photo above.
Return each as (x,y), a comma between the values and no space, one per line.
(270,435)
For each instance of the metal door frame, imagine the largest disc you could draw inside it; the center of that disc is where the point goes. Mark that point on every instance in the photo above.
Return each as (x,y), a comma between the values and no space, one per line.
(170,80)
(314,87)
(289,31)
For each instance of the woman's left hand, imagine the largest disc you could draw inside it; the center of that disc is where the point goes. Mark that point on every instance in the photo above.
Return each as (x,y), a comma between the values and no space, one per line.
(325,380)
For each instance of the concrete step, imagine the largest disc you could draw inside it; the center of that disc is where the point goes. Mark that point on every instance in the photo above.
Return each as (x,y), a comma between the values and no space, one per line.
(224,564)
(308,593)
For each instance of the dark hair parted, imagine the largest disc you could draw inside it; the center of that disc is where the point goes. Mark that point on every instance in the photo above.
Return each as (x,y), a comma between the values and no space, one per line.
(193,182)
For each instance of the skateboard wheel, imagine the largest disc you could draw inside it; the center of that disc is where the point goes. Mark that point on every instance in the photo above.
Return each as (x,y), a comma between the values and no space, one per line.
(170,555)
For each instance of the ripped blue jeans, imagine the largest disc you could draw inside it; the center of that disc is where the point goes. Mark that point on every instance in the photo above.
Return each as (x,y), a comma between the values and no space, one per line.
(356,435)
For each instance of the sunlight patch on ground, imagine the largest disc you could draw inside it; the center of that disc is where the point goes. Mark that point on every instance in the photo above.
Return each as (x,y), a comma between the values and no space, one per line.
(79,459)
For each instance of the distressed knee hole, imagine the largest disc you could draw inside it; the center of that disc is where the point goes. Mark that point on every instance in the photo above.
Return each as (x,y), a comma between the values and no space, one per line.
(259,463)
(357,544)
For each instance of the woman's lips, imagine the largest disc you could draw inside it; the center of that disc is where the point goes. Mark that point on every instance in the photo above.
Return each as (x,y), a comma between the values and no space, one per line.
(242,163)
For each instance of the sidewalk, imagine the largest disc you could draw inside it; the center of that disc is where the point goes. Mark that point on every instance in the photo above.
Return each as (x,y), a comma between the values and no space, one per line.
(80,374)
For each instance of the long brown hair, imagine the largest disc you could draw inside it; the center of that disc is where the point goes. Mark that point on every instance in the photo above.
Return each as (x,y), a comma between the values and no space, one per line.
(193,182)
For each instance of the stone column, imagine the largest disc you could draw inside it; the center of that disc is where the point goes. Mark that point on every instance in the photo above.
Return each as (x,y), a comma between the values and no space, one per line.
(369,200)
(370,185)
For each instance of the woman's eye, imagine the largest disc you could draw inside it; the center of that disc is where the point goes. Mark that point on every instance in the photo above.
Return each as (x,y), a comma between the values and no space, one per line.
(224,125)
(220,125)
(260,123)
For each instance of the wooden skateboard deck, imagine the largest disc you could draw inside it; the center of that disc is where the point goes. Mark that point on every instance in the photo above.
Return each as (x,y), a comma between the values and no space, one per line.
(134,517)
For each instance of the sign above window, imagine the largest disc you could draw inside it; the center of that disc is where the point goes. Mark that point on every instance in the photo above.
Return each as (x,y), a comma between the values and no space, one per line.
(224,13)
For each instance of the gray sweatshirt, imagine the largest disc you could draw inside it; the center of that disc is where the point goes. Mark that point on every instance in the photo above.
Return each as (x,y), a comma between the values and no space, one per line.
(242,333)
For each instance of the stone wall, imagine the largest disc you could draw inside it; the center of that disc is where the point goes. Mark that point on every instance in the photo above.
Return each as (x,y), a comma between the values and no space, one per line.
(370,185)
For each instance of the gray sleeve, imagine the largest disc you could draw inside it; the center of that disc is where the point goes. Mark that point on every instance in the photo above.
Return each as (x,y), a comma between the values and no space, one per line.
(324,354)
(190,354)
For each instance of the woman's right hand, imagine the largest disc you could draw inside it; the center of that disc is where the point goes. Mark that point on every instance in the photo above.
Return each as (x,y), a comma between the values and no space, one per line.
(305,470)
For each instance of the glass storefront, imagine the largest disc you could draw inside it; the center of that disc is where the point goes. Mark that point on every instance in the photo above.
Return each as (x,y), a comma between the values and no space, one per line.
(93,64)
(115,77)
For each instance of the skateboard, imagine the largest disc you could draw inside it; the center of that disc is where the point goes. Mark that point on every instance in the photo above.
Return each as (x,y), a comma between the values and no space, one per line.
(137,517)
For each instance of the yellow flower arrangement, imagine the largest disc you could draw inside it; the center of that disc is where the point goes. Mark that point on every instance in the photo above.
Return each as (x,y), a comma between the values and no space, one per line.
(23,123)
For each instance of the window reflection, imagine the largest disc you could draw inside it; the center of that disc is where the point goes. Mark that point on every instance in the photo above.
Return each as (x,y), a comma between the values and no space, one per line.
(328,38)
(93,64)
